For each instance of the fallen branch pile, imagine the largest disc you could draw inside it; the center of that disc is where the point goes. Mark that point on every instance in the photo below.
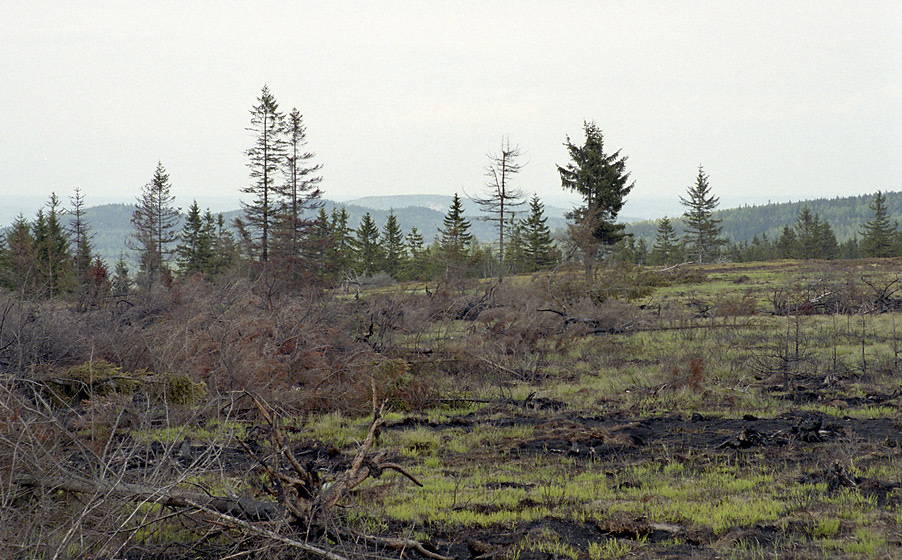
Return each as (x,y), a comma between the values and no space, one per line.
(304,511)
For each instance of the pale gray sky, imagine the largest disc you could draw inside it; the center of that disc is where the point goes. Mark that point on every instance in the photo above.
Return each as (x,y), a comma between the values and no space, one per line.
(777,100)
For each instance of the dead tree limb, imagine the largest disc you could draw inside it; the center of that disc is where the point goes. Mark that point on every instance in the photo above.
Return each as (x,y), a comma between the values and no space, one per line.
(884,301)
(597,326)
(402,544)
(266,533)
(245,508)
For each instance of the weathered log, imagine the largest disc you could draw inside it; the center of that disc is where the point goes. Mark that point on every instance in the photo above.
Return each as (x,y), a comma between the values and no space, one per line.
(240,507)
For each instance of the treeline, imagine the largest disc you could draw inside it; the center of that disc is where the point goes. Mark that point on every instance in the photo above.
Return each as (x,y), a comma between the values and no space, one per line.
(808,236)
(52,254)
(286,237)
(284,232)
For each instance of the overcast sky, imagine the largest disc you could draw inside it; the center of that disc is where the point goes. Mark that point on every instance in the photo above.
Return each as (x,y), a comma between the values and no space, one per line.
(777,100)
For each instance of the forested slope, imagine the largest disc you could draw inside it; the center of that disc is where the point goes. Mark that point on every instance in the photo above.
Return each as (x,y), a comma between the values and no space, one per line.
(846,216)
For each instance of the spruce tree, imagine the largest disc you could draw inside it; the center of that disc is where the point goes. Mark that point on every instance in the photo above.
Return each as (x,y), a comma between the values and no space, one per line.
(321,247)
(225,251)
(640,251)
(666,248)
(265,157)
(538,246)
(342,240)
(52,250)
(393,246)
(122,282)
(814,238)
(879,235)
(806,230)
(368,252)
(299,193)
(20,260)
(79,231)
(455,239)
(154,221)
(827,247)
(417,260)
(195,252)
(702,234)
(603,183)
(787,244)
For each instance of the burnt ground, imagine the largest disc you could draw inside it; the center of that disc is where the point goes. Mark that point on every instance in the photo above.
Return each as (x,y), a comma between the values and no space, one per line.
(807,443)
(809,447)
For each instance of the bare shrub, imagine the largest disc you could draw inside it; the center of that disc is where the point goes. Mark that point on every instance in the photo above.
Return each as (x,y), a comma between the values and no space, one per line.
(38,333)
(298,353)
(736,306)
(690,373)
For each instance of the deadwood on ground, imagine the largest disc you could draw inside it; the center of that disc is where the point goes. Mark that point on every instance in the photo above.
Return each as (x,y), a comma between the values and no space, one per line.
(303,510)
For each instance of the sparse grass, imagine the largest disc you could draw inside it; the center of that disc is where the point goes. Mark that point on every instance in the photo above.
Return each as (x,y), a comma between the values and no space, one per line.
(336,429)
(493,461)
(213,431)
(649,374)
(609,549)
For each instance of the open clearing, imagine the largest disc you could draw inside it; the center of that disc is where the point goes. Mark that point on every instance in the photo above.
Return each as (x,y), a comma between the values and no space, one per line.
(731,411)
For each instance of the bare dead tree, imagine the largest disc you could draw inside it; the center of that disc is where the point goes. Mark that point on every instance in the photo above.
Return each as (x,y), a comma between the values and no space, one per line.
(501,199)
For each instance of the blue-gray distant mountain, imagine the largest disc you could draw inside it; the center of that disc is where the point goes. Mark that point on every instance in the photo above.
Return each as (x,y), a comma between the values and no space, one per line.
(110,224)
(426,212)
(439,203)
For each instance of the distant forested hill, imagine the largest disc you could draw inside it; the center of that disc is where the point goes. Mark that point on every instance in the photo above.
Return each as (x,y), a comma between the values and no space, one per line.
(111,223)
(846,216)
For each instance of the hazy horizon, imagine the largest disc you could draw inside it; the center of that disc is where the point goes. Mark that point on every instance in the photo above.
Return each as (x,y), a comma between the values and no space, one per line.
(634,210)
(777,101)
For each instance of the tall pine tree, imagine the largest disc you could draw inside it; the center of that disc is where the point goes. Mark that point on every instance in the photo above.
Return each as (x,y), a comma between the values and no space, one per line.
(196,250)
(417,264)
(455,239)
(154,221)
(51,243)
(368,252)
(299,193)
(538,247)
(20,260)
(79,231)
(393,246)
(342,240)
(265,158)
(666,248)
